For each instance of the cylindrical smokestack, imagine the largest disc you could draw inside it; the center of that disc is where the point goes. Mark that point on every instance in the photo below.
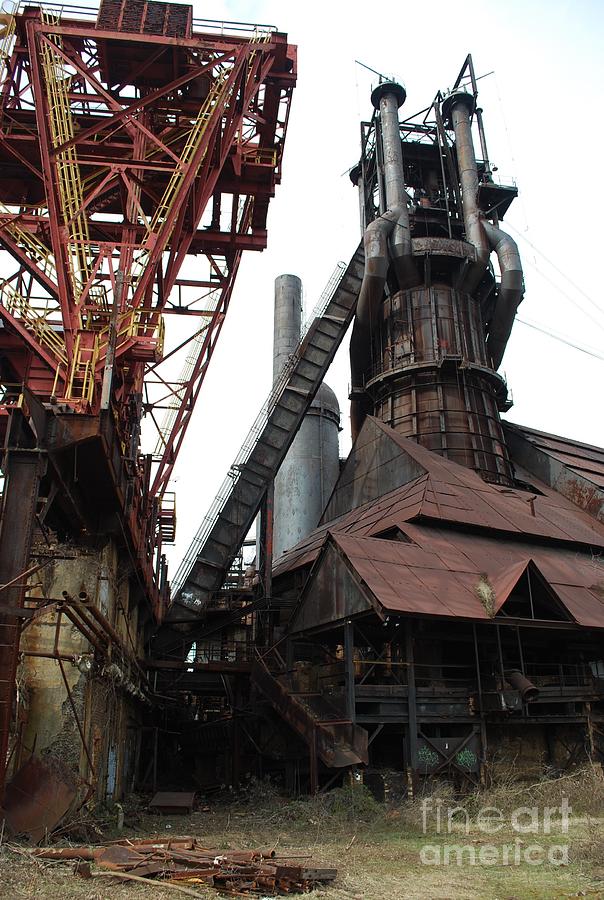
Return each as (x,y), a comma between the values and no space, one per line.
(288,320)
(388,97)
(308,474)
(310,470)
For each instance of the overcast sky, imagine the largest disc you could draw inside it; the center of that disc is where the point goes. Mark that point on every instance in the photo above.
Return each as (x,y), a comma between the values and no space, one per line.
(542,112)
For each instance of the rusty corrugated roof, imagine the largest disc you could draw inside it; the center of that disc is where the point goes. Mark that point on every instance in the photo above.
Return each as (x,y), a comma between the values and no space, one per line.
(583,459)
(451,494)
(440,572)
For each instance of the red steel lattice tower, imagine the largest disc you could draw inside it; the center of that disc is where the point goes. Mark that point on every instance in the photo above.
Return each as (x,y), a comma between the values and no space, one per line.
(130,141)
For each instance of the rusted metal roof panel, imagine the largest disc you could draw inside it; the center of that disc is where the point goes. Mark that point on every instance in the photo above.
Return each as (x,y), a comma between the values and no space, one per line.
(442,580)
(574,453)
(586,607)
(575,470)
(450,494)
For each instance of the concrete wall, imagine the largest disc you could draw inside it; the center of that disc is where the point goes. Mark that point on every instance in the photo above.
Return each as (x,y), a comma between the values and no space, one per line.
(109,715)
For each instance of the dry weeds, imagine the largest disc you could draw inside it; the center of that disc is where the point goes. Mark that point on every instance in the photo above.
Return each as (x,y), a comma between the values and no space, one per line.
(376,850)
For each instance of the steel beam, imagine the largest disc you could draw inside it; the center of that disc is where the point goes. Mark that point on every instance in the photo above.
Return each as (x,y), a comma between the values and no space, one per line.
(22,469)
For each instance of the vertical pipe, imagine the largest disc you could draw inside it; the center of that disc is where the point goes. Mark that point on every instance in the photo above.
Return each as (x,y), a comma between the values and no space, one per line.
(458,108)
(112,341)
(500,654)
(388,97)
(411,696)
(394,180)
(349,670)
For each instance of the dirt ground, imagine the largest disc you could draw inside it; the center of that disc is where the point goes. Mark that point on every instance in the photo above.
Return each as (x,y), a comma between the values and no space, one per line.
(394,854)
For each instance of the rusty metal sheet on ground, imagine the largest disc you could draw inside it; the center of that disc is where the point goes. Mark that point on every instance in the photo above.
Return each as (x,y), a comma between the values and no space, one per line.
(37,797)
(173,801)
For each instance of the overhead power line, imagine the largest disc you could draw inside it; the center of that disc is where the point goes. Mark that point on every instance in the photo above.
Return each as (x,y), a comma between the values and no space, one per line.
(599,309)
(559,338)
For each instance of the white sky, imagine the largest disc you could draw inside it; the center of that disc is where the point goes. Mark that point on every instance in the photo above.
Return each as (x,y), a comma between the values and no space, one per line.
(542,112)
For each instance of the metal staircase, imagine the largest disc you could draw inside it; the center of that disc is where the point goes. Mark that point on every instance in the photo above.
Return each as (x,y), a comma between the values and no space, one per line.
(336,740)
(223,531)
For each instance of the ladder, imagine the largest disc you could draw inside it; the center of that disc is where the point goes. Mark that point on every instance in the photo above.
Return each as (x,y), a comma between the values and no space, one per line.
(58,81)
(221,534)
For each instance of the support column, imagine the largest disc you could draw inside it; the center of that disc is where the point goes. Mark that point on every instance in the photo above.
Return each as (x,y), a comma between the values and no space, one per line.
(349,670)
(265,563)
(483,727)
(22,470)
(411,698)
(314,763)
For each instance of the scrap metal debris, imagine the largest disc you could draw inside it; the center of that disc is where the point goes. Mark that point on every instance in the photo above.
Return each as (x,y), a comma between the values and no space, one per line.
(183,860)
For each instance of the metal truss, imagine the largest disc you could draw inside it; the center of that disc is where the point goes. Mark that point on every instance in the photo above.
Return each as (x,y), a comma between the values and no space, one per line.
(123,154)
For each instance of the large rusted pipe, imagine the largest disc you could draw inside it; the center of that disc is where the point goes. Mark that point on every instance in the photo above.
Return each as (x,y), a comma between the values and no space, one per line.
(457,109)
(388,98)
(392,225)
(511,291)
(375,241)
(525,688)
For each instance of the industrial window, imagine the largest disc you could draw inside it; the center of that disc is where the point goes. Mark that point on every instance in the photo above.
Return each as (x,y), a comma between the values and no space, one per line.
(532,598)
(393,534)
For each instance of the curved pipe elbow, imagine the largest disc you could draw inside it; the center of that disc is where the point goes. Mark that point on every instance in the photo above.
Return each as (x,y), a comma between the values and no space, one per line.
(375,241)
(401,250)
(511,291)
(368,306)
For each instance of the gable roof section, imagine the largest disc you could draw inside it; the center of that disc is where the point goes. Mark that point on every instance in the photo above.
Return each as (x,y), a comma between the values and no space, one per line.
(445,492)
(577,579)
(332,594)
(441,576)
(375,466)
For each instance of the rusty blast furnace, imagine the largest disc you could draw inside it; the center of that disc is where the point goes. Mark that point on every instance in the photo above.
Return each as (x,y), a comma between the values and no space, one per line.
(432,323)
(445,616)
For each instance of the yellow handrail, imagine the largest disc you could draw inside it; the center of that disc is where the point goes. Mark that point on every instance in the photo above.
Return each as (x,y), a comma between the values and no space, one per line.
(58,84)
(36,322)
(36,250)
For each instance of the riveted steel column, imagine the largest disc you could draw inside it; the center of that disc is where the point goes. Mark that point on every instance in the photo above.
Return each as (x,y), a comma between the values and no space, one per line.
(22,471)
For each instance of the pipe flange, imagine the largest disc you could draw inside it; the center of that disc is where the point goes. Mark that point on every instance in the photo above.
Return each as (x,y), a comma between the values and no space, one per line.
(452,100)
(388,87)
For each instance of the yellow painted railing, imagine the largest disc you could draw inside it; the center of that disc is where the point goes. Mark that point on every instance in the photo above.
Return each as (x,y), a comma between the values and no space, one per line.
(34,320)
(58,85)
(80,383)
